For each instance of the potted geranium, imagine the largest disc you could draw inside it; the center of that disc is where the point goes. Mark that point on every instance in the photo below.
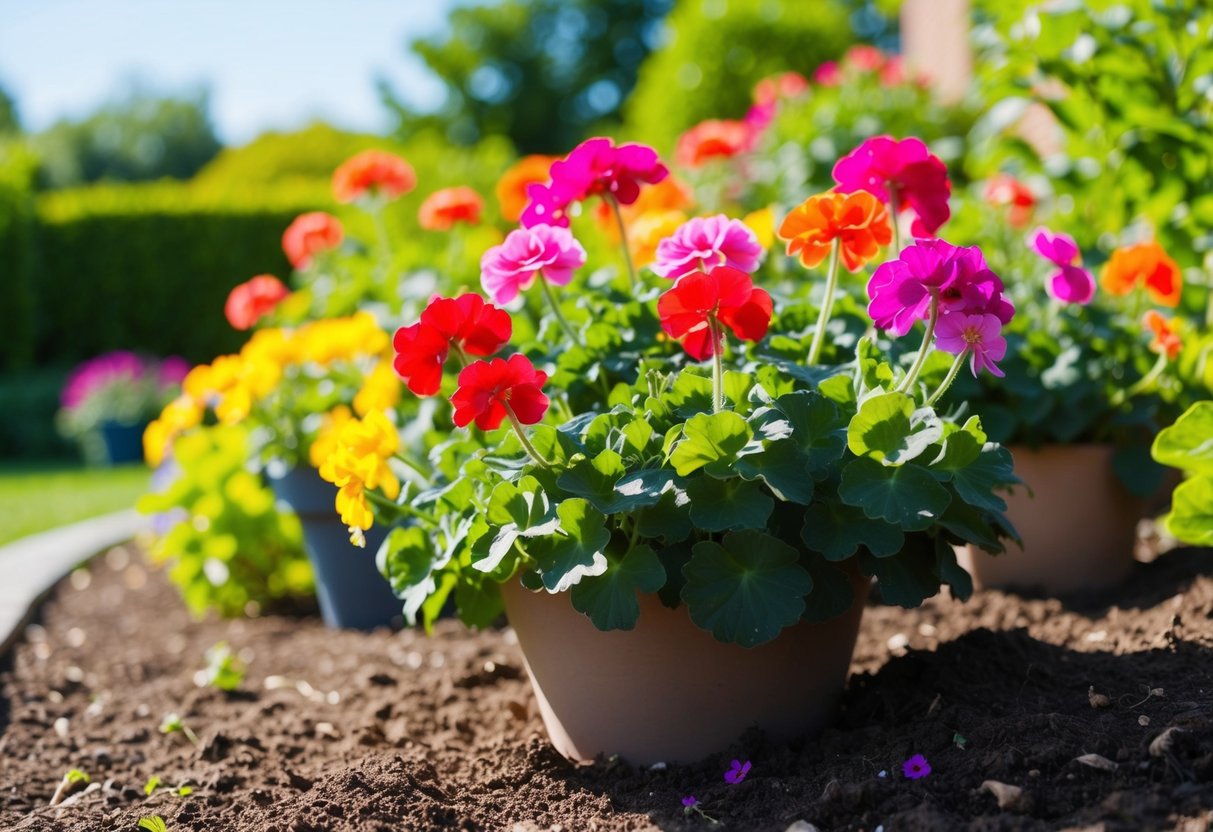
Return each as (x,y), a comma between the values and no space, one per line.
(108,401)
(1091,376)
(678,493)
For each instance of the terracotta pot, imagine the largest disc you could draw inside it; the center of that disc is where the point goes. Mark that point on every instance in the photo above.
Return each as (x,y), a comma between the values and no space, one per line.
(667,691)
(1078,523)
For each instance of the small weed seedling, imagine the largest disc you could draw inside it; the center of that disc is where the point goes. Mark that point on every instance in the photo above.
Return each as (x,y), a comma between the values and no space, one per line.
(182,789)
(151,785)
(72,782)
(153,824)
(172,724)
(224,670)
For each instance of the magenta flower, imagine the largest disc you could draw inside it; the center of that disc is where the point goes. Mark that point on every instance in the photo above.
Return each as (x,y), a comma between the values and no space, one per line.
(828,74)
(173,371)
(1070,283)
(547,250)
(916,767)
(901,290)
(700,244)
(883,165)
(108,368)
(979,335)
(737,772)
(690,802)
(596,167)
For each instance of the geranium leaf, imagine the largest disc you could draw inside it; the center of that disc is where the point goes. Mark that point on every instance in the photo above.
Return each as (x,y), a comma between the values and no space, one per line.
(407,558)
(610,598)
(975,483)
(783,467)
(746,588)
(908,579)
(595,479)
(1188,444)
(888,429)
(951,572)
(837,531)
(719,505)
(576,551)
(906,496)
(708,438)
(832,593)
(669,518)
(1191,517)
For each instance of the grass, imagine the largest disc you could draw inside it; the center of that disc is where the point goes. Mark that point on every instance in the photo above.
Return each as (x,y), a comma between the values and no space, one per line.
(35,497)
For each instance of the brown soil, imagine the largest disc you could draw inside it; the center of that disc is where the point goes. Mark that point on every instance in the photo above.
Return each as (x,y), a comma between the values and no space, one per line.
(346,731)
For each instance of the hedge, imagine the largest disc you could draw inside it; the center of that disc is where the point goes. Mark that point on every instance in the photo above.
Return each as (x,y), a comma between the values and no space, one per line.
(18,168)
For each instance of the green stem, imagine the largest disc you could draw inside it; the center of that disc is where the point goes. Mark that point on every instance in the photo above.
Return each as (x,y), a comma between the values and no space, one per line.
(560,319)
(893,211)
(526,443)
(623,241)
(717,365)
(1144,383)
(923,351)
(413,466)
(827,304)
(948,379)
(1209,302)
(385,242)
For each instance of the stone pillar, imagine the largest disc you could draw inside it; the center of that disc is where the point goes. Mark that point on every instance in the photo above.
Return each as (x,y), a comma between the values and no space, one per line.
(935,42)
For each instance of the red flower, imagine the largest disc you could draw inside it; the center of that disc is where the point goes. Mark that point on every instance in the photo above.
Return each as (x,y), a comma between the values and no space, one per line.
(442,209)
(310,234)
(373,172)
(723,296)
(252,300)
(467,323)
(489,390)
(1005,190)
(713,139)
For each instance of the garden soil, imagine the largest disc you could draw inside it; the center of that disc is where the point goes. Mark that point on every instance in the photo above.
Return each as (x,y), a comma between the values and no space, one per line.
(1087,715)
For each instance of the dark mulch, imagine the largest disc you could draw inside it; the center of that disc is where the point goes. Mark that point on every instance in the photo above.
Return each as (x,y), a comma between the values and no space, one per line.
(392,731)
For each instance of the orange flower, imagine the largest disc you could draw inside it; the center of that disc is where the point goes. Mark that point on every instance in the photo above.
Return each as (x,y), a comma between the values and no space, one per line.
(442,209)
(373,172)
(648,230)
(712,139)
(1144,264)
(1166,340)
(511,188)
(858,220)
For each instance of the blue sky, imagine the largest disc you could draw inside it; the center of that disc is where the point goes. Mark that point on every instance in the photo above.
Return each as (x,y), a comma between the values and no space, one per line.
(268,63)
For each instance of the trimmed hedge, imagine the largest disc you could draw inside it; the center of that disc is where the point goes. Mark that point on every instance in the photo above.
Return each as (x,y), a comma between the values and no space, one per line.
(18,167)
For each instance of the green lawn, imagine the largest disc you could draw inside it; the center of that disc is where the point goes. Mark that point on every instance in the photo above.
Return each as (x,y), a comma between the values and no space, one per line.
(36,497)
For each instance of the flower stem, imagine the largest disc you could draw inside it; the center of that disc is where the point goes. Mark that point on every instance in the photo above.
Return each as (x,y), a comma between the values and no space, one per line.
(924,350)
(623,241)
(459,354)
(894,209)
(385,242)
(530,449)
(1144,383)
(717,365)
(827,304)
(560,319)
(948,379)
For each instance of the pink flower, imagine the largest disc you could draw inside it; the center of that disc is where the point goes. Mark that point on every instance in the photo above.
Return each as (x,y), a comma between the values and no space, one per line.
(916,767)
(547,250)
(596,167)
(1070,283)
(979,335)
(901,290)
(828,74)
(547,205)
(864,57)
(701,243)
(885,167)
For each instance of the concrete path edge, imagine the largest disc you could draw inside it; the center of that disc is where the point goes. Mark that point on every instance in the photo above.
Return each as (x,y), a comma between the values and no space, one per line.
(32,566)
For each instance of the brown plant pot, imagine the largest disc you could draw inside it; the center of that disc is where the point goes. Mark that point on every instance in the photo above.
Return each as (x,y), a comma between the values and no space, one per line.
(1078,524)
(668,691)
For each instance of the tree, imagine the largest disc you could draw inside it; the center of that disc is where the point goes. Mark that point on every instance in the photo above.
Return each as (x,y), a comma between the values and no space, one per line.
(137,136)
(10,123)
(541,72)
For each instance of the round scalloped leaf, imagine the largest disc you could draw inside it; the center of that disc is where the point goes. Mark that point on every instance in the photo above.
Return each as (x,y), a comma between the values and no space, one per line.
(610,599)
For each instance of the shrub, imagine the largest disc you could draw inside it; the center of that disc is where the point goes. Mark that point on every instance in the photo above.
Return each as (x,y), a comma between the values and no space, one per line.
(17,170)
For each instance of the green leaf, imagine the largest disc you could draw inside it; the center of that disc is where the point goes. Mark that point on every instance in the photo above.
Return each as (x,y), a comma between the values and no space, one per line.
(595,479)
(906,496)
(690,394)
(1188,444)
(971,525)
(832,593)
(513,512)
(746,588)
(887,428)
(908,579)
(837,531)
(960,448)
(709,438)
(813,422)
(718,505)
(668,519)
(477,600)
(1137,470)
(951,572)
(839,389)
(577,551)
(407,559)
(1191,517)
(153,824)
(673,559)
(975,483)
(783,467)
(610,599)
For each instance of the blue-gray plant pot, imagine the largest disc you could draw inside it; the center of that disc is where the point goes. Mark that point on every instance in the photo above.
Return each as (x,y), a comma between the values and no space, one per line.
(123,442)
(352,593)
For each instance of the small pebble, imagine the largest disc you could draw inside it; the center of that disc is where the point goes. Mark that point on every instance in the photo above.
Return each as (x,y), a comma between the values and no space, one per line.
(657,767)
(1143,720)
(897,642)
(81,579)
(62,726)
(1097,635)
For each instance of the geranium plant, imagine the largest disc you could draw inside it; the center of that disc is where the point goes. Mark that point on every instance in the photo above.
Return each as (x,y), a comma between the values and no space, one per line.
(735,448)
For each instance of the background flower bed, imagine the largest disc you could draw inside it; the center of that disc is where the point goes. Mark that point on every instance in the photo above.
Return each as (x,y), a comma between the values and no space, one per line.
(434,733)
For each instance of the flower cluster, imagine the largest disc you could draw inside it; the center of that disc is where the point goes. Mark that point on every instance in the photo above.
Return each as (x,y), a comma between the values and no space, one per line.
(373,175)
(309,235)
(117,388)
(252,300)
(1070,282)
(596,167)
(358,463)
(902,173)
(863,60)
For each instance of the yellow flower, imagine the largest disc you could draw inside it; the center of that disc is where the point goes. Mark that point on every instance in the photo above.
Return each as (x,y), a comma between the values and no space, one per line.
(325,442)
(359,462)
(380,391)
(648,230)
(762,223)
(178,416)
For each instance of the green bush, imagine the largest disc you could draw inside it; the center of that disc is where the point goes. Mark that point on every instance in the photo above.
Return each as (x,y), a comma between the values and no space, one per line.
(29,400)
(18,168)
(718,49)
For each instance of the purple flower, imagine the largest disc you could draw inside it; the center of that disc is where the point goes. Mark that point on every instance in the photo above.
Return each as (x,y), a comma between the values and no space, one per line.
(701,244)
(901,290)
(690,802)
(737,772)
(916,767)
(549,250)
(1070,283)
(979,335)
